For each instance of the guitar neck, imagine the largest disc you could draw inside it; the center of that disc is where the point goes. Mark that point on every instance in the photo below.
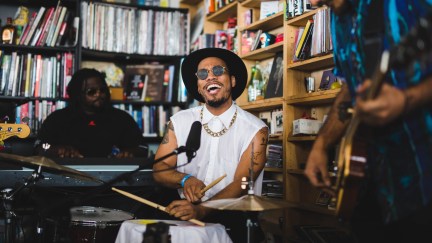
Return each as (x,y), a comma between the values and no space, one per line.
(378,77)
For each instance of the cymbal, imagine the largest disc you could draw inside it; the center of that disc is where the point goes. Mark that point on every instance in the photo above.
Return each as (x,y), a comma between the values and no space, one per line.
(246,203)
(35,161)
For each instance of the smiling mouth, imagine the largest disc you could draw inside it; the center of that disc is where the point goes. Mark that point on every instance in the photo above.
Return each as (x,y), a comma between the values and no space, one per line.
(213,88)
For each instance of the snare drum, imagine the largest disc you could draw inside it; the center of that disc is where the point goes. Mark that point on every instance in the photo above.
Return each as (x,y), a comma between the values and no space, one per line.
(95,224)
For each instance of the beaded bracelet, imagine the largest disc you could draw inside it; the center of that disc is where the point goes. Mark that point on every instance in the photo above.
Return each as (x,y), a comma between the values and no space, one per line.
(182,182)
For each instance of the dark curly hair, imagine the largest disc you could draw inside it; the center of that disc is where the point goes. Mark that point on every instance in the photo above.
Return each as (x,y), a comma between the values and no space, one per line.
(75,87)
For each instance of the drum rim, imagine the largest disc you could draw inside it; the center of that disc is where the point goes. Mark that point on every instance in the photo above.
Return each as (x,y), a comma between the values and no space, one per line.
(127,216)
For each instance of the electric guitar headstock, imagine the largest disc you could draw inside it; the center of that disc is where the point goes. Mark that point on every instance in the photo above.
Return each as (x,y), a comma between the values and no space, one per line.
(7,130)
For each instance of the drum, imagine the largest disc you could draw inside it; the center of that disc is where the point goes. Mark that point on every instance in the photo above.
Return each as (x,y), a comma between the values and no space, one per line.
(95,224)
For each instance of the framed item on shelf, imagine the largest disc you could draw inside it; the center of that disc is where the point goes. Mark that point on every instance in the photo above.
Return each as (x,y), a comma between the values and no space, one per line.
(265,116)
(247,40)
(275,83)
(327,79)
(277,122)
(144,82)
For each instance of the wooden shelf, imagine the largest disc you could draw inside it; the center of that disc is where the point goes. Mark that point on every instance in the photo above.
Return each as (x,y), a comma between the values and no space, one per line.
(89,54)
(313,208)
(251,3)
(275,137)
(301,20)
(304,138)
(313,64)
(301,172)
(36,49)
(224,13)
(315,98)
(295,171)
(269,23)
(262,105)
(273,169)
(190,2)
(264,53)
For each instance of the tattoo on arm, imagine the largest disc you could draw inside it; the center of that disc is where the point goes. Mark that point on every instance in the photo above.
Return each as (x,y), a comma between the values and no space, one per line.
(255,157)
(169,126)
(264,139)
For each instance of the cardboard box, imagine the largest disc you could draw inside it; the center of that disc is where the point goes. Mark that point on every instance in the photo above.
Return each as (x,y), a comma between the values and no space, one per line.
(306,126)
(116,93)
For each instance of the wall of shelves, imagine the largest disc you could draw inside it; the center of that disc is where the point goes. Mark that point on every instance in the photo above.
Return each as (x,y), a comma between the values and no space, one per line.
(80,54)
(295,102)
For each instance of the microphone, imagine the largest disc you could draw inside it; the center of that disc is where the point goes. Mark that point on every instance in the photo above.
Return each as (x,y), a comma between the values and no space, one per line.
(193,141)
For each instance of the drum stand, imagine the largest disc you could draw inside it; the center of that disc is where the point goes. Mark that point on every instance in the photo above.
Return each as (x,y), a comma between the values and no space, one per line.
(7,198)
(250,224)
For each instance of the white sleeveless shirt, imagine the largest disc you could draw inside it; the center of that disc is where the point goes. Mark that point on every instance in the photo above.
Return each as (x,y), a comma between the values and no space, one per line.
(217,155)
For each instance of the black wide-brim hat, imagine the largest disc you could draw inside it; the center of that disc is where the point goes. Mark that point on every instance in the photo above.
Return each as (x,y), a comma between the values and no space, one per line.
(234,64)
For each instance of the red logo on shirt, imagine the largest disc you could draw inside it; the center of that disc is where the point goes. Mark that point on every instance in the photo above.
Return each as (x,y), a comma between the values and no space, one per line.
(92,123)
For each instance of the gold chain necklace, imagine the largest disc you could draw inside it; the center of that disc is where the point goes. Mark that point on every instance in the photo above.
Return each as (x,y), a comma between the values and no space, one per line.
(221,132)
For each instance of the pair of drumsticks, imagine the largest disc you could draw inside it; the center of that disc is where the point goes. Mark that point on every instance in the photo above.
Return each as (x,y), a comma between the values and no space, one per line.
(162,208)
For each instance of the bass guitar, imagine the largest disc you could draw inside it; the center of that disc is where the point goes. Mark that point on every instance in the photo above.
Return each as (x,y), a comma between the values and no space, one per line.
(351,155)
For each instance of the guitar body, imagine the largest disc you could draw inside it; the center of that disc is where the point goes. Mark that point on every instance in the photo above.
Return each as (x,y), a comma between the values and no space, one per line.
(352,168)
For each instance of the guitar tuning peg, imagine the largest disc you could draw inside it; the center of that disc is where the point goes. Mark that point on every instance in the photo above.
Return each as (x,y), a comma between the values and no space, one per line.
(6,119)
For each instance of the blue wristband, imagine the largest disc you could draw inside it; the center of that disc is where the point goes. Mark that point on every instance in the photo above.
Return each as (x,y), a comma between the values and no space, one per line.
(182,182)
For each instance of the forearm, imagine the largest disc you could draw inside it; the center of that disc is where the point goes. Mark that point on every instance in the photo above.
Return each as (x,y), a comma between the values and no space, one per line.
(169,178)
(418,96)
(333,128)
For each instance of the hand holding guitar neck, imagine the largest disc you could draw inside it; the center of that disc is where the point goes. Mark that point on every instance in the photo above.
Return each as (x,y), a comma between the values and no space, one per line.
(352,155)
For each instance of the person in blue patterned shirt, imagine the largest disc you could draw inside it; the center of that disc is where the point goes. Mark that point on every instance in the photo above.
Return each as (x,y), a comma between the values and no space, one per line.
(394,203)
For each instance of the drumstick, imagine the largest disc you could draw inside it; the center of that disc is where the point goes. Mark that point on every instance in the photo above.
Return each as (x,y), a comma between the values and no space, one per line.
(212,184)
(152,204)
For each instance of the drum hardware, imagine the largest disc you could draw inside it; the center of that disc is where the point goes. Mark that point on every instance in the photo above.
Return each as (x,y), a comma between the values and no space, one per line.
(38,163)
(7,197)
(248,203)
(49,165)
(95,224)
(157,233)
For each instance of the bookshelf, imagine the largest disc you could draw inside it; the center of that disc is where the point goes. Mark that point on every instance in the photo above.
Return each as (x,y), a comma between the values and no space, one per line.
(103,41)
(294,103)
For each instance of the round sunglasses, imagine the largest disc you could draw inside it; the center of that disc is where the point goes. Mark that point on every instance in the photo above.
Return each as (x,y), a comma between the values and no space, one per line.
(217,71)
(94,91)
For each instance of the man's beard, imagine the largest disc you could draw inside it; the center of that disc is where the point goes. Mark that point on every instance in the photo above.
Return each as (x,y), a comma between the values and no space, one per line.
(217,103)
(97,108)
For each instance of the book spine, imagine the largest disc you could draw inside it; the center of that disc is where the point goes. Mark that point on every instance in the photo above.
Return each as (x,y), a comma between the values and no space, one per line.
(58,27)
(53,25)
(45,26)
(34,26)
(27,28)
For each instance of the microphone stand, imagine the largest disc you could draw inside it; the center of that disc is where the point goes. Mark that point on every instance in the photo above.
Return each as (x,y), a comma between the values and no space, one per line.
(7,197)
(122,177)
(126,175)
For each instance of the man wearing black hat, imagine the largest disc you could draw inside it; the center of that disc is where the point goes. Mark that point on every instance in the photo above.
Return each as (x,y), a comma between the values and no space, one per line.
(215,77)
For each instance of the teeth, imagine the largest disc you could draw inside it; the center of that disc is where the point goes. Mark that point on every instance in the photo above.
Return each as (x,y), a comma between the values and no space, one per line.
(213,86)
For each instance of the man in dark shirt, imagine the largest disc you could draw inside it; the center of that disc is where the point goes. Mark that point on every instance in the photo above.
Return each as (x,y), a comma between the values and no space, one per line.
(90,126)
